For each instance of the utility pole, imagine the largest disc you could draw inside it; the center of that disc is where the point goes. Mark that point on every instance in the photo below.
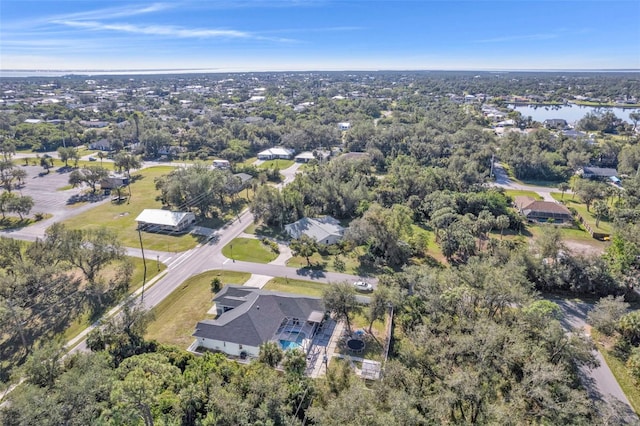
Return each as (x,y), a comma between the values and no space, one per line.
(144,263)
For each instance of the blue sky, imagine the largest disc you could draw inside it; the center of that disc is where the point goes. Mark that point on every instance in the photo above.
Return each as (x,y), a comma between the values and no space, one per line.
(257,35)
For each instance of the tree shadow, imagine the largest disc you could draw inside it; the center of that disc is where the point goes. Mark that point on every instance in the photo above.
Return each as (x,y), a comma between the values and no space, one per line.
(310,273)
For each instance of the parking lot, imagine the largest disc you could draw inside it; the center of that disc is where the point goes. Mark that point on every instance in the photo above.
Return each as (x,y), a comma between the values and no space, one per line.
(43,188)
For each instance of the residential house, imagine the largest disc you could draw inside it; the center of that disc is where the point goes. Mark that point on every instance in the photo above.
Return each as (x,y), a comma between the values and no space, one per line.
(249,317)
(158,220)
(276,153)
(542,211)
(344,126)
(304,157)
(102,145)
(597,173)
(324,230)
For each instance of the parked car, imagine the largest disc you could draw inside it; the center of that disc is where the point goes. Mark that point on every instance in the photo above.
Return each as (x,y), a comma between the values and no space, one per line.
(93,159)
(363,286)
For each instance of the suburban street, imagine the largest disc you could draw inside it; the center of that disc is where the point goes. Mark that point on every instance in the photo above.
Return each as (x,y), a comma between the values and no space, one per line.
(503,181)
(208,256)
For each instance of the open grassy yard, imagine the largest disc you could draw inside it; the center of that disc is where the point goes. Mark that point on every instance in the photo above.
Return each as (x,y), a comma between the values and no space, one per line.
(249,250)
(522,193)
(573,202)
(263,230)
(120,218)
(286,285)
(374,342)
(177,315)
(281,164)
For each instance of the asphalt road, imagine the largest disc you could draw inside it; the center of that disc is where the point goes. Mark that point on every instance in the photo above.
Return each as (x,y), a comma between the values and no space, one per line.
(599,382)
(502,180)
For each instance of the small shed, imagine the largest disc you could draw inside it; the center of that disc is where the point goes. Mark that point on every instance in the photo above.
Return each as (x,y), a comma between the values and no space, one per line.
(158,220)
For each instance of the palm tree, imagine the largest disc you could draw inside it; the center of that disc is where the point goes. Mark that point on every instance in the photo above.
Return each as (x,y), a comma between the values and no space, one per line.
(270,354)
(563,187)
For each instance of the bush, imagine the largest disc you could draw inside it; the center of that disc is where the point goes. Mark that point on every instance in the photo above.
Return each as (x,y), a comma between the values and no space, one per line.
(38,216)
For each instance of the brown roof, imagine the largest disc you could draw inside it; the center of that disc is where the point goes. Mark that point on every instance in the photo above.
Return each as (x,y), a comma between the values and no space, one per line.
(547,207)
(522,201)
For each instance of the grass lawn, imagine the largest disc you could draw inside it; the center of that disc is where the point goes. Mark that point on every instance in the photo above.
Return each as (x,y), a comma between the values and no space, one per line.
(326,263)
(249,250)
(522,193)
(572,202)
(177,315)
(12,222)
(374,342)
(629,385)
(120,218)
(249,161)
(281,164)
(307,288)
(266,231)
(84,321)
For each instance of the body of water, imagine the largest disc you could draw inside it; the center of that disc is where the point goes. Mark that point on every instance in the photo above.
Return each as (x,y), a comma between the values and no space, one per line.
(570,113)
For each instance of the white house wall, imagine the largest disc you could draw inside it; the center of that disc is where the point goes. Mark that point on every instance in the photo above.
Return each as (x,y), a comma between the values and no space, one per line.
(233,349)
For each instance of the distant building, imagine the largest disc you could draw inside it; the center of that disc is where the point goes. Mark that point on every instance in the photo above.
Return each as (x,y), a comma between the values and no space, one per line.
(221,164)
(542,211)
(555,123)
(93,124)
(344,126)
(324,230)
(276,153)
(158,220)
(114,181)
(304,157)
(249,317)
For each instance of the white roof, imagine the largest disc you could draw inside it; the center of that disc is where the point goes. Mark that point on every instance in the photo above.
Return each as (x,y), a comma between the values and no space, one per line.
(162,217)
(277,151)
(306,154)
(317,228)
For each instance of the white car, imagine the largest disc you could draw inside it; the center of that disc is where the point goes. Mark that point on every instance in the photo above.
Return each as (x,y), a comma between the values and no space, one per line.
(362,286)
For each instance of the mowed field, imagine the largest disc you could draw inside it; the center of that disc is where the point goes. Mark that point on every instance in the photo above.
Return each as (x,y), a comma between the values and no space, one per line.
(120,218)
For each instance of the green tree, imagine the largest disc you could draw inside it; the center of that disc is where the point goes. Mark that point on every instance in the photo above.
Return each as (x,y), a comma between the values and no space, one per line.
(91,175)
(378,305)
(502,222)
(563,187)
(295,362)
(601,210)
(629,327)
(606,314)
(270,354)
(340,300)
(304,246)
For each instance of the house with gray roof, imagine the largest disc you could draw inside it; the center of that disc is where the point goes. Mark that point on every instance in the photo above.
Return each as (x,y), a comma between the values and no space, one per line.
(249,316)
(324,230)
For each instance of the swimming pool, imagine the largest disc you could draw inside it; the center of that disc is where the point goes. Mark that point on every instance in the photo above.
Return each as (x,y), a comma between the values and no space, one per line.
(295,341)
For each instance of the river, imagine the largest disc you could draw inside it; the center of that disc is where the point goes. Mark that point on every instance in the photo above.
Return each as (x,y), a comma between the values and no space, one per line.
(570,113)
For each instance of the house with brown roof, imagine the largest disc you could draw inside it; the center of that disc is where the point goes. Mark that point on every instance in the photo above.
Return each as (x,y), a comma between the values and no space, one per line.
(542,211)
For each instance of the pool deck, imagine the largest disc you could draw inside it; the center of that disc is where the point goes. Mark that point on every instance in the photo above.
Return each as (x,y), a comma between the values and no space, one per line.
(324,343)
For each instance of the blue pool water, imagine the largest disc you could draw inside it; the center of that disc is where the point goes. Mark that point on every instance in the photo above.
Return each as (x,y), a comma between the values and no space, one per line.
(293,344)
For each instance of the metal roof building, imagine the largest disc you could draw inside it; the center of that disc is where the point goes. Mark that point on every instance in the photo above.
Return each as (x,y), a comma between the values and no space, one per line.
(158,220)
